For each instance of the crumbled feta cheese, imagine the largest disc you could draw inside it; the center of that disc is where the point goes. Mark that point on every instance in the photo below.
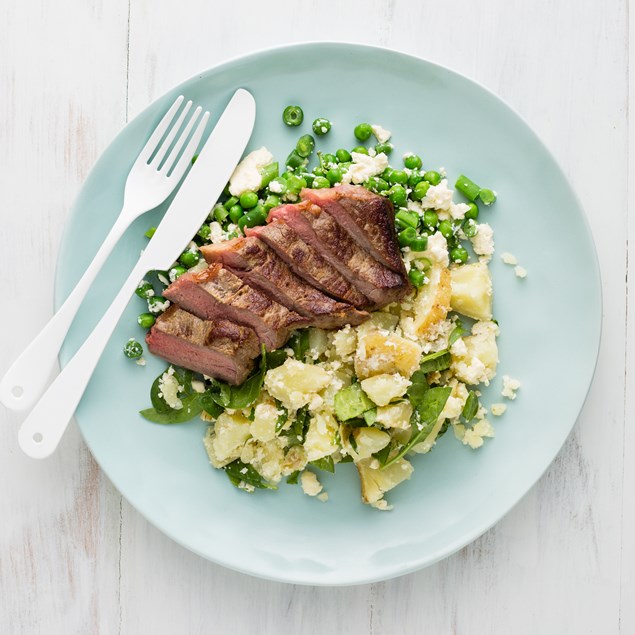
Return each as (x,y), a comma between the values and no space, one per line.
(217,234)
(141,361)
(163,279)
(323,497)
(247,177)
(483,241)
(472,439)
(498,409)
(509,259)
(381,134)
(458,210)
(169,389)
(483,428)
(520,272)
(364,166)
(510,386)
(438,249)
(438,197)
(459,349)
(275,187)
(159,307)
(310,484)
(198,386)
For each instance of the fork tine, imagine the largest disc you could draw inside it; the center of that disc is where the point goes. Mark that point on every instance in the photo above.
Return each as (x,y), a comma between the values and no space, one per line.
(190,149)
(174,153)
(159,131)
(165,146)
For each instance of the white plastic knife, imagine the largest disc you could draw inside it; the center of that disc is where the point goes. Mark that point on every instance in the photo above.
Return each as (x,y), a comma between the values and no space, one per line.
(42,430)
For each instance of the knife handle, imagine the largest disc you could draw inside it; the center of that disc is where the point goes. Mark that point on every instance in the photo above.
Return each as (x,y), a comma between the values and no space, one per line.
(42,430)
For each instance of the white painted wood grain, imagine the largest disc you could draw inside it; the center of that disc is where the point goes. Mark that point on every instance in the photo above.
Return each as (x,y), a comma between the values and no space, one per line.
(563,561)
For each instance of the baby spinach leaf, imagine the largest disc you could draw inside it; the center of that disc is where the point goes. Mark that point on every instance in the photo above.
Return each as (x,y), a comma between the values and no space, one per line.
(370,416)
(457,333)
(191,408)
(436,361)
(208,404)
(292,479)
(158,402)
(282,418)
(296,433)
(325,463)
(276,358)
(299,343)
(238,471)
(418,387)
(382,455)
(471,407)
(351,402)
(424,418)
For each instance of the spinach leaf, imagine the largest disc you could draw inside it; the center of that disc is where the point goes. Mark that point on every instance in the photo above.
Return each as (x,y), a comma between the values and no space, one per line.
(347,459)
(351,402)
(436,361)
(297,432)
(382,455)
(282,418)
(325,463)
(299,343)
(457,333)
(418,387)
(191,408)
(276,358)
(292,479)
(208,404)
(158,402)
(424,418)
(238,471)
(370,416)
(471,407)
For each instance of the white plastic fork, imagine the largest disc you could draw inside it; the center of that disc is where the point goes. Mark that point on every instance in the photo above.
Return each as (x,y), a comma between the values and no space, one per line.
(153,177)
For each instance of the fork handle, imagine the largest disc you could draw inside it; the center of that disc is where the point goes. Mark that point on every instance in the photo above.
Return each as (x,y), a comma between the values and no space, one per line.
(28,376)
(42,430)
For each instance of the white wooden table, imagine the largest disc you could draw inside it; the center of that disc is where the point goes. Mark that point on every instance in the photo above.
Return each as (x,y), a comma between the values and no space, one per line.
(75,558)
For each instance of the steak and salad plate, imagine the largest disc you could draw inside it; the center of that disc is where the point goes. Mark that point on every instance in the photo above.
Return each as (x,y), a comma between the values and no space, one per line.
(355,367)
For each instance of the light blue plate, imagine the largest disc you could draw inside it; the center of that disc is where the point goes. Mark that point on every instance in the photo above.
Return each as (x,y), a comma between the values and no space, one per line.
(550,326)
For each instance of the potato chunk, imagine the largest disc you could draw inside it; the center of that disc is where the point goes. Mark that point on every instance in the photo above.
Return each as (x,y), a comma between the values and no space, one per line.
(395,415)
(295,383)
(478,363)
(381,352)
(472,291)
(382,389)
(224,442)
(368,441)
(375,482)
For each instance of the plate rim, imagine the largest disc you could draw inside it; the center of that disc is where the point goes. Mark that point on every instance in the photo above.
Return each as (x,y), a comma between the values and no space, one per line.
(467,537)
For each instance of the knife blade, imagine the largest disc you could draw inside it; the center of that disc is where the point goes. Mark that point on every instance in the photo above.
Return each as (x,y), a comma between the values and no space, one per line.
(42,430)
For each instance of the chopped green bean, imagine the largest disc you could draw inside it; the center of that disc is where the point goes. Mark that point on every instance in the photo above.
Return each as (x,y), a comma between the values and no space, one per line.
(271,201)
(292,115)
(416,277)
(419,244)
(467,187)
(268,173)
(230,202)
(406,236)
(408,218)
(305,145)
(295,161)
(150,232)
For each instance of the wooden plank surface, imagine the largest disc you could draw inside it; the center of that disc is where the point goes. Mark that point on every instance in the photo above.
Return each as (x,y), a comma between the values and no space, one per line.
(75,559)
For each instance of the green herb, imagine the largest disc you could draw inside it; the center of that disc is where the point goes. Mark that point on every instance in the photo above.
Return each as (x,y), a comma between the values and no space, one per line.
(351,402)
(238,471)
(325,463)
(424,418)
(191,408)
(296,433)
(436,361)
(292,479)
(282,418)
(456,334)
(471,407)
(352,441)
(347,459)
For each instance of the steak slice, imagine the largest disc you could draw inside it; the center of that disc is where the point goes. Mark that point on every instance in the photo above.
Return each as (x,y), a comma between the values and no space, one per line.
(367,217)
(217,348)
(259,266)
(307,262)
(217,293)
(318,228)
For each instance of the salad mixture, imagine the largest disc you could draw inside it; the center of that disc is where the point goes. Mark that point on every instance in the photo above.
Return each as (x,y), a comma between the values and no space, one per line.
(377,394)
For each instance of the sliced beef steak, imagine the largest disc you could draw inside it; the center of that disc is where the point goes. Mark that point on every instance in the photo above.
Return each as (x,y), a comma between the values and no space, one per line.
(307,262)
(367,217)
(217,293)
(217,348)
(319,229)
(260,267)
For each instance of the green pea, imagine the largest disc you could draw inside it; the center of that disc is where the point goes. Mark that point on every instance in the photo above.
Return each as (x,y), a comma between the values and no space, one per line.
(220,213)
(363,131)
(432,177)
(406,236)
(204,232)
(150,232)
(469,228)
(308,177)
(156,303)
(397,194)
(328,159)
(146,320)
(280,186)
(487,196)
(145,290)
(430,218)
(472,213)
(132,349)
(419,244)
(343,155)
(412,161)
(248,200)
(398,176)
(360,150)
(292,115)
(295,183)
(305,145)
(318,170)
(176,272)
(321,126)
(414,178)
(235,213)
(459,254)
(252,218)
(410,219)
(417,277)
(334,175)
(420,190)
(230,202)
(320,182)
(189,258)
(295,161)
(386,148)
(445,227)
(377,184)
